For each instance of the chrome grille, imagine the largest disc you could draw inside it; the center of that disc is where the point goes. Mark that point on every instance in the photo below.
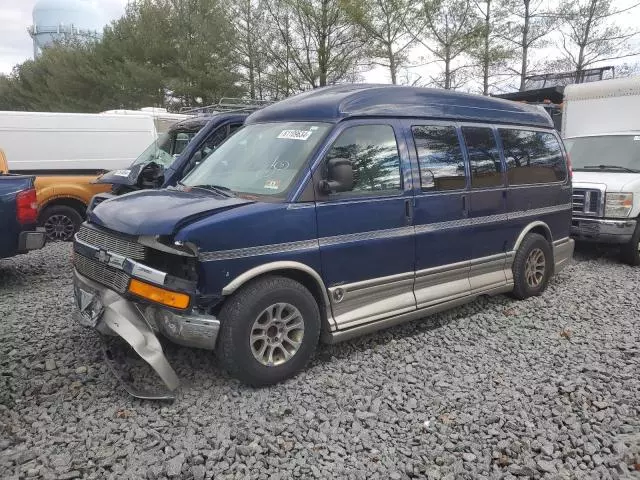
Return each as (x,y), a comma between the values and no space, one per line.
(110,277)
(112,243)
(586,202)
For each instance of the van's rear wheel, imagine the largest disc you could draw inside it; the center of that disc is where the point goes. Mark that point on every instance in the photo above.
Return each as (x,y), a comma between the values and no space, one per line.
(60,222)
(269,331)
(532,266)
(630,252)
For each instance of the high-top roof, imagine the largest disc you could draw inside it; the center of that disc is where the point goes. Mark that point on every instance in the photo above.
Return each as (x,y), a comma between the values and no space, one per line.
(333,104)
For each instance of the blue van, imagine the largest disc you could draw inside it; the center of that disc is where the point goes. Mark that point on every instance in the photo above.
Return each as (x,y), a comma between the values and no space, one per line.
(329,215)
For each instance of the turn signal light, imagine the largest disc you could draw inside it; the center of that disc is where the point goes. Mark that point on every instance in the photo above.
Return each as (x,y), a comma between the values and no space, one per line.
(159,295)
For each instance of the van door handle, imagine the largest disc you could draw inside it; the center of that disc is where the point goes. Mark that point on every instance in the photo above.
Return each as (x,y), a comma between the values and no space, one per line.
(465,208)
(408,211)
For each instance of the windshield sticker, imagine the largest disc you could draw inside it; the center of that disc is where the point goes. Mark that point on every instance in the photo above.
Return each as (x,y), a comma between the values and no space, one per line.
(295,134)
(122,173)
(313,128)
(272,184)
(636,138)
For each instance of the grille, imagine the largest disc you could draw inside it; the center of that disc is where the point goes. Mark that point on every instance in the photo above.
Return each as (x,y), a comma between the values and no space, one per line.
(96,271)
(112,243)
(586,201)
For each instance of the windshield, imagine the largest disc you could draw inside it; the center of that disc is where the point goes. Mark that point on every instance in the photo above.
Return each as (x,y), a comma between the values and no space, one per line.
(260,159)
(165,148)
(605,152)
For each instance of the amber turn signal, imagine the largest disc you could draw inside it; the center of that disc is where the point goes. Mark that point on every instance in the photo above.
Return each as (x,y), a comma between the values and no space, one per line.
(159,295)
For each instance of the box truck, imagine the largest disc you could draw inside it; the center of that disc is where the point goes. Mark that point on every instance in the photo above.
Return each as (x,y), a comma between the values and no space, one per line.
(601,130)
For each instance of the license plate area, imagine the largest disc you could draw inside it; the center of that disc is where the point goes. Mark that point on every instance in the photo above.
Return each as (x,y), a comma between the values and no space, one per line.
(89,306)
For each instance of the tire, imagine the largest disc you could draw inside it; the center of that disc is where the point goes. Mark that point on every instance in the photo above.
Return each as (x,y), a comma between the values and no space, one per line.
(60,222)
(630,252)
(529,282)
(248,312)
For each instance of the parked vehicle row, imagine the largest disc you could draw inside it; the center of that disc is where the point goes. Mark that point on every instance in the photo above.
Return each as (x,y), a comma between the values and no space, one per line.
(329,215)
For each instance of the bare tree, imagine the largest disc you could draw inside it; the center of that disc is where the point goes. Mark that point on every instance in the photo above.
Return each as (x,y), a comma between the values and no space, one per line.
(527,29)
(249,26)
(448,29)
(385,25)
(589,34)
(324,46)
(491,53)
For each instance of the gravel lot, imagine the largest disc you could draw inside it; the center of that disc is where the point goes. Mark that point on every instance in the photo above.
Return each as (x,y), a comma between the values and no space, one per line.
(545,388)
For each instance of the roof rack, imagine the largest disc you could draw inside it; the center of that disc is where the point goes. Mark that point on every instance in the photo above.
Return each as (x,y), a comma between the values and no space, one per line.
(228,104)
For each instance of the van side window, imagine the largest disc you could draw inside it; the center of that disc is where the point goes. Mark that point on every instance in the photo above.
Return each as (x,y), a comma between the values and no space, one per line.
(484,157)
(373,152)
(532,157)
(440,157)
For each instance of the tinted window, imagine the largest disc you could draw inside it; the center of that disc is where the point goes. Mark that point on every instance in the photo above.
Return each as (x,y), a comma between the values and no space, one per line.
(373,152)
(484,158)
(532,157)
(440,157)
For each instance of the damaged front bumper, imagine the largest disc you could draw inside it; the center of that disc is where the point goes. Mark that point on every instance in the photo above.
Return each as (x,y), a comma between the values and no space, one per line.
(112,314)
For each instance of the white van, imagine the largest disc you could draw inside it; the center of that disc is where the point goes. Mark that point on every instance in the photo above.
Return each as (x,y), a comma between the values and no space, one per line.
(162,118)
(42,142)
(601,130)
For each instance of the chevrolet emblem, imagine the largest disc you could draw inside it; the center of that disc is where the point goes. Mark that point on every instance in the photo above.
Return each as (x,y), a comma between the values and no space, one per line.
(103,257)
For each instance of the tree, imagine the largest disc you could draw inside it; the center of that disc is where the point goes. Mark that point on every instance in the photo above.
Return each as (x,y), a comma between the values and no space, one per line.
(527,31)
(385,24)
(250,29)
(491,53)
(448,29)
(589,34)
(322,43)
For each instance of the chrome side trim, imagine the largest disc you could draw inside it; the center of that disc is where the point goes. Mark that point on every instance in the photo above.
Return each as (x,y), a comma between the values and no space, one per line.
(372,299)
(562,253)
(283,265)
(463,222)
(258,250)
(443,283)
(527,229)
(539,211)
(342,335)
(371,235)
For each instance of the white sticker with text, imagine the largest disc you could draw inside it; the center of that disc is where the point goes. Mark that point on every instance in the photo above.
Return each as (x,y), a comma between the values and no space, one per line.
(295,134)
(122,173)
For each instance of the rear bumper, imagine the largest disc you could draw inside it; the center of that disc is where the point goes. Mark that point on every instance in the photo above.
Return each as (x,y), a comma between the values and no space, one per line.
(112,314)
(562,253)
(28,241)
(602,230)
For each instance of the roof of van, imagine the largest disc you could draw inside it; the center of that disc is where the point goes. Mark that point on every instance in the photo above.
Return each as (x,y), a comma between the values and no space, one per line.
(332,104)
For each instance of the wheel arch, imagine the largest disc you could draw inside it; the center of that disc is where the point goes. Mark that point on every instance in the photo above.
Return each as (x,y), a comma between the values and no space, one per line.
(297,271)
(73,202)
(538,227)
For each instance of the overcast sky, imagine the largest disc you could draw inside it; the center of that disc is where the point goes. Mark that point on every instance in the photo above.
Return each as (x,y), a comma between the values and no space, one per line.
(16,45)
(15,16)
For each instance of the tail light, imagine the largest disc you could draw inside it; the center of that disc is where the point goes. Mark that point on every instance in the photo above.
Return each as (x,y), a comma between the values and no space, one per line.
(27,206)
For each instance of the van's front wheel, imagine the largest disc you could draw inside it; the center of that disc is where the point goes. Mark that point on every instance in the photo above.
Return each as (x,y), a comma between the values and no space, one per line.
(269,331)
(532,266)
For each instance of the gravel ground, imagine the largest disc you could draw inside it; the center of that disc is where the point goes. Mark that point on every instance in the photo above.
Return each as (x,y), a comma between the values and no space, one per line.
(545,388)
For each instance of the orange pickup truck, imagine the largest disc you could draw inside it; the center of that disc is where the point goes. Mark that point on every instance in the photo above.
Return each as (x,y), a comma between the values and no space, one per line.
(62,201)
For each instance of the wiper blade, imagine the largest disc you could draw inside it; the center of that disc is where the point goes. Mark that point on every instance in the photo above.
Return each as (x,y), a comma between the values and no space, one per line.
(608,167)
(219,189)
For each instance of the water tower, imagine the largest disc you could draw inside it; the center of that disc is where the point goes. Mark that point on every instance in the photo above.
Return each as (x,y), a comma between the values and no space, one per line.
(58,20)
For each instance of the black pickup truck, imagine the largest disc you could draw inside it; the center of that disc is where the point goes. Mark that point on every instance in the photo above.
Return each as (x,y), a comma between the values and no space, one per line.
(18,216)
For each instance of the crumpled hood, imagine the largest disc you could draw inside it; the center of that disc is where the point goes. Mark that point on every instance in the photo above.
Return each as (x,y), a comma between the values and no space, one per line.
(158,212)
(615,181)
(127,176)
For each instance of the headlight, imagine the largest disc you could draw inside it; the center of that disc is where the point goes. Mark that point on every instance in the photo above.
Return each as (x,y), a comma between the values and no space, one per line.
(618,204)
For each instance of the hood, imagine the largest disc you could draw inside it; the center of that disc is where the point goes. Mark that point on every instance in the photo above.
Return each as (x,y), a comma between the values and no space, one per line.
(615,181)
(158,212)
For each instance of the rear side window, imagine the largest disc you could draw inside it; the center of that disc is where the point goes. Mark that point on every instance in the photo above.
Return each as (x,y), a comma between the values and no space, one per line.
(440,157)
(373,152)
(484,157)
(532,157)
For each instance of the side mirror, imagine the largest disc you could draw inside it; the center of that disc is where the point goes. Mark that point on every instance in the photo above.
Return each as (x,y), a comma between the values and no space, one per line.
(340,176)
